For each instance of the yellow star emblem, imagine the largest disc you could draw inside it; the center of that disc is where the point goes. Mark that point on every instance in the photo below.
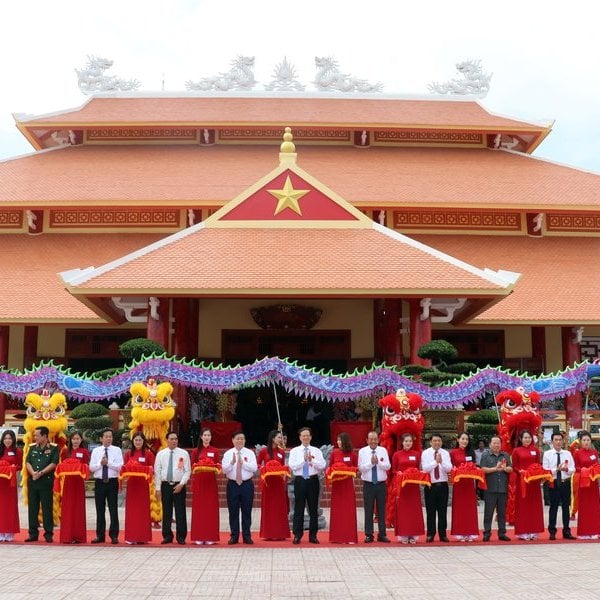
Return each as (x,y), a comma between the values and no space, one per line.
(288,197)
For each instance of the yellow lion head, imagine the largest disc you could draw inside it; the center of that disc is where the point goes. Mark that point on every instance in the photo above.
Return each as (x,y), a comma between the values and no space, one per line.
(152,408)
(48,411)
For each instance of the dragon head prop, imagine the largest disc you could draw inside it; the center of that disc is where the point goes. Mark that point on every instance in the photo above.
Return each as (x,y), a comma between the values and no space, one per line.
(518,412)
(152,410)
(401,414)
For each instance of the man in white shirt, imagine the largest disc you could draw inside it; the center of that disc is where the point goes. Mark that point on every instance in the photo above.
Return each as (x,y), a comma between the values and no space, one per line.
(239,465)
(172,470)
(561,463)
(306,462)
(436,461)
(105,466)
(373,464)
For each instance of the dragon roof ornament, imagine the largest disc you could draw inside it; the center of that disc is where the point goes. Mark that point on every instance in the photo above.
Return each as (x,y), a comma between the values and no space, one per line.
(475,82)
(92,79)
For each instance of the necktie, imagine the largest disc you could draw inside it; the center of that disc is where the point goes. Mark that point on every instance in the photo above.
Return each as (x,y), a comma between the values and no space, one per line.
(238,469)
(436,471)
(558,471)
(170,467)
(105,467)
(373,469)
(305,465)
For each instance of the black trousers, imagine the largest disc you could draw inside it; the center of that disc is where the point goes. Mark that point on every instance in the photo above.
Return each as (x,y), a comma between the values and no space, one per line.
(494,501)
(374,495)
(106,493)
(171,501)
(306,493)
(560,495)
(40,494)
(436,507)
(240,499)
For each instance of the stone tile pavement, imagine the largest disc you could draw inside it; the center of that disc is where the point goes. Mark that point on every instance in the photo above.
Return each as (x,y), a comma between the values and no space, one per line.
(467,572)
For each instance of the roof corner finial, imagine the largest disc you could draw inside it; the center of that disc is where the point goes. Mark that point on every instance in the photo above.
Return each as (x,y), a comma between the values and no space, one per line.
(287,150)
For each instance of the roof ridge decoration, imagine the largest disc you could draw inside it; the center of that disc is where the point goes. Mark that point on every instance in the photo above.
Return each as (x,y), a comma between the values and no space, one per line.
(241,77)
(275,200)
(92,79)
(475,82)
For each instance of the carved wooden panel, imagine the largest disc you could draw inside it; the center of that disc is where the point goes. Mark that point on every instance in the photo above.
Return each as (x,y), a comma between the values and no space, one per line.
(11,219)
(457,219)
(113,218)
(573,222)
(103,134)
(428,136)
(276,134)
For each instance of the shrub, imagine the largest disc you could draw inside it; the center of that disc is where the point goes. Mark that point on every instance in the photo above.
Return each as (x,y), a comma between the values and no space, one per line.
(461,368)
(438,349)
(137,348)
(89,409)
(414,369)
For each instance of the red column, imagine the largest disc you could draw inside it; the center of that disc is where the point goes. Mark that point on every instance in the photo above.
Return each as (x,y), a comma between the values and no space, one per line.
(158,325)
(185,325)
(30,346)
(4,341)
(571,355)
(392,343)
(538,345)
(420,332)
(378,329)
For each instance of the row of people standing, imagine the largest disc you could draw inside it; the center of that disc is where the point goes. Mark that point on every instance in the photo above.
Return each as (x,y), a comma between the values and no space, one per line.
(173,470)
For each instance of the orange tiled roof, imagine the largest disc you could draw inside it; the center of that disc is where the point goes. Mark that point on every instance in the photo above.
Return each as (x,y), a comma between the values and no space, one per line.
(195,176)
(288,262)
(558,283)
(33,291)
(283,111)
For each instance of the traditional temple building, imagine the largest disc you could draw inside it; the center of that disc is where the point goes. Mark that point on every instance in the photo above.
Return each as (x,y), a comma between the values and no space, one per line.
(378,224)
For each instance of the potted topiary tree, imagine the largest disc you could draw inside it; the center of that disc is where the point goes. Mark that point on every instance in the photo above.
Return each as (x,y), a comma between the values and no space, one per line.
(90,419)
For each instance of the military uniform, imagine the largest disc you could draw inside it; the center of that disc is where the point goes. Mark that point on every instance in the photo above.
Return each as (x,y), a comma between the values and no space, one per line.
(39,491)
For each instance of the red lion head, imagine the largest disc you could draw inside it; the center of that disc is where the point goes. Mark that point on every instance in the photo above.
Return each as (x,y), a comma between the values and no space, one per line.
(401,414)
(518,412)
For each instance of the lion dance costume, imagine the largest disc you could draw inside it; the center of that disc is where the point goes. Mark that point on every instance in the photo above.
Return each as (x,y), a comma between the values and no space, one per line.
(49,411)
(401,414)
(152,410)
(518,412)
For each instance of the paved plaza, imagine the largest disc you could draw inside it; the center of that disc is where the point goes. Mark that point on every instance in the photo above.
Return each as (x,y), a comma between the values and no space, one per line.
(559,570)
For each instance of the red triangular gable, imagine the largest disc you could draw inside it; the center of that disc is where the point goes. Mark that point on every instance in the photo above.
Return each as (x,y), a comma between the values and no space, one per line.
(281,199)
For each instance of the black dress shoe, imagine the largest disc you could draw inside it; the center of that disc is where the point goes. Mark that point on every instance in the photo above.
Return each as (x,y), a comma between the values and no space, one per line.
(166,541)
(368,539)
(443,538)
(98,540)
(568,536)
(486,537)
(313,540)
(49,539)
(429,539)
(248,540)
(232,541)
(297,539)
(383,538)
(114,540)
(181,542)
(504,538)
(31,539)
(552,537)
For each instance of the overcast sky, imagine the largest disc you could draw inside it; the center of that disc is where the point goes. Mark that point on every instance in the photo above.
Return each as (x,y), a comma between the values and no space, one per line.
(545,56)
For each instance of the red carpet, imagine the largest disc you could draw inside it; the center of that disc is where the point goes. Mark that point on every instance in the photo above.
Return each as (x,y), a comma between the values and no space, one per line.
(323,536)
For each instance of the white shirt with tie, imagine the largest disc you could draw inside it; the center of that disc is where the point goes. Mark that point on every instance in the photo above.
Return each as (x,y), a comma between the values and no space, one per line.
(249,465)
(365,465)
(115,461)
(429,463)
(550,462)
(296,460)
(182,466)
